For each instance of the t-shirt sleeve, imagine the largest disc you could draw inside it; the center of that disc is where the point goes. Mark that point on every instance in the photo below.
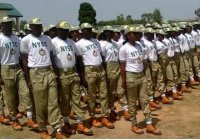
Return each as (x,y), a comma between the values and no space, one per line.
(24,46)
(122,54)
(51,47)
(103,49)
(77,49)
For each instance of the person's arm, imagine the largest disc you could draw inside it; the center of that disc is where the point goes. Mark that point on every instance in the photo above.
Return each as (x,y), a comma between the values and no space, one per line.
(81,70)
(123,73)
(25,68)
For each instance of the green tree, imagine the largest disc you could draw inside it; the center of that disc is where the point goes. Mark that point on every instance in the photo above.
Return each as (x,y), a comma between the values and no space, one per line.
(147,17)
(87,14)
(156,16)
(197,13)
(129,20)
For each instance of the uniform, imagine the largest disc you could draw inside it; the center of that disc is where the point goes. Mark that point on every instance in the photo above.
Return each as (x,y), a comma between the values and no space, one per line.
(135,80)
(43,79)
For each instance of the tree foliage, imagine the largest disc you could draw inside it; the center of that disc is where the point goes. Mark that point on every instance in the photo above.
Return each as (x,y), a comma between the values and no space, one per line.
(87,14)
(154,16)
(21,24)
(197,13)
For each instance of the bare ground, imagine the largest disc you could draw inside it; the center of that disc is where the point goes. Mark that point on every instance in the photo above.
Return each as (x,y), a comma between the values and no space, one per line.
(180,120)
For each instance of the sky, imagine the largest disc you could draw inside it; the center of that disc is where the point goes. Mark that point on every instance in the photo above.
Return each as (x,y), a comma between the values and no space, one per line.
(52,11)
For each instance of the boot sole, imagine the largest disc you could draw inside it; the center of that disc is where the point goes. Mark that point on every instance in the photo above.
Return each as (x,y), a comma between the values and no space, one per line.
(85,133)
(139,133)
(153,132)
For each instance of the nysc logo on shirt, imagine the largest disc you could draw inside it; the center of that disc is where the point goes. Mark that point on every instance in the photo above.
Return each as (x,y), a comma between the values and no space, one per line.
(39,44)
(136,53)
(92,46)
(65,48)
(11,45)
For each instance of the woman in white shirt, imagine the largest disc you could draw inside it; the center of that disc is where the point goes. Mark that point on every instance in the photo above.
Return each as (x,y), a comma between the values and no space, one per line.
(134,81)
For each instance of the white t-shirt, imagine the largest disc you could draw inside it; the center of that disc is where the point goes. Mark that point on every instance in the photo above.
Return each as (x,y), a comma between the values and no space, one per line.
(144,49)
(133,57)
(170,47)
(119,43)
(65,51)
(38,50)
(9,49)
(152,54)
(197,37)
(90,52)
(160,47)
(184,46)
(191,40)
(176,44)
(110,51)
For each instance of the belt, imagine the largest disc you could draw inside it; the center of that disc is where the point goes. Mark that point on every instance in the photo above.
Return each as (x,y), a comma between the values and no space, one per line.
(67,69)
(10,66)
(136,73)
(98,67)
(42,69)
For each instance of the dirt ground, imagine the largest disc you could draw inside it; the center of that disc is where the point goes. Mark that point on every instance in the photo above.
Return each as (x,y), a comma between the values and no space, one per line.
(180,120)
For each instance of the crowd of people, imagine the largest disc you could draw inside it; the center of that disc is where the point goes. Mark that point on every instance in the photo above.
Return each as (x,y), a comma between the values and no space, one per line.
(53,71)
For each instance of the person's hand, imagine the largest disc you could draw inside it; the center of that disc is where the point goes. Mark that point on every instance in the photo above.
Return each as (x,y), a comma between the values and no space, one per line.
(1,81)
(124,85)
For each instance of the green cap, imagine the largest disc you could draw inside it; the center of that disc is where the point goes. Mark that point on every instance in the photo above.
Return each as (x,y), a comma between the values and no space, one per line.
(169,29)
(35,21)
(124,27)
(149,30)
(74,28)
(157,26)
(85,26)
(108,28)
(195,23)
(116,30)
(131,29)
(95,31)
(63,25)
(148,25)
(174,24)
(5,19)
(51,26)
(160,31)
(26,27)
(178,28)
(183,26)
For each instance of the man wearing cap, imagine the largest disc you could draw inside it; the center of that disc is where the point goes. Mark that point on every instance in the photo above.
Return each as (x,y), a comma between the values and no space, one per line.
(156,71)
(121,93)
(196,38)
(171,70)
(12,76)
(93,75)
(110,53)
(74,33)
(68,78)
(133,79)
(37,51)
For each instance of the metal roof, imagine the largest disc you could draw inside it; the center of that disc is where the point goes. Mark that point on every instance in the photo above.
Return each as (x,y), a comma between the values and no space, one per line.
(12,11)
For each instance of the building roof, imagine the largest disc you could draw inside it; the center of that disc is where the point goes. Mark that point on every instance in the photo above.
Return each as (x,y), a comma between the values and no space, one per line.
(12,11)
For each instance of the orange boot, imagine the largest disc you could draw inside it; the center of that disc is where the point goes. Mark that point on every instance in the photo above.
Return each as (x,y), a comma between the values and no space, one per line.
(16,126)
(126,115)
(176,96)
(185,89)
(81,129)
(45,135)
(151,129)
(107,123)
(165,100)
(32,124)
(154,105)
(136,129)
(4,120)
(96,123)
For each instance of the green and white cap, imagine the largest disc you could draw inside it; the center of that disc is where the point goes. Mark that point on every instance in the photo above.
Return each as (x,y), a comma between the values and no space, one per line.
(86,26)
(149,30)
(74,28)
(35,21)
(95,31)
(5,19)
(108,28)
(63,25)
(160,31)
(168,29)
(26,27)
(148,25)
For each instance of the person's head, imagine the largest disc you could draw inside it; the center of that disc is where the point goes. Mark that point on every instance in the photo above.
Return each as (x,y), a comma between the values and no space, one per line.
(149,33)
(36,26)
(160,34)
(86,30)
(27,29)
(116,35)
(74,33)
(109,32)
(63,29)
(130,35)
(6,26)
(52,31)
(189,29)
